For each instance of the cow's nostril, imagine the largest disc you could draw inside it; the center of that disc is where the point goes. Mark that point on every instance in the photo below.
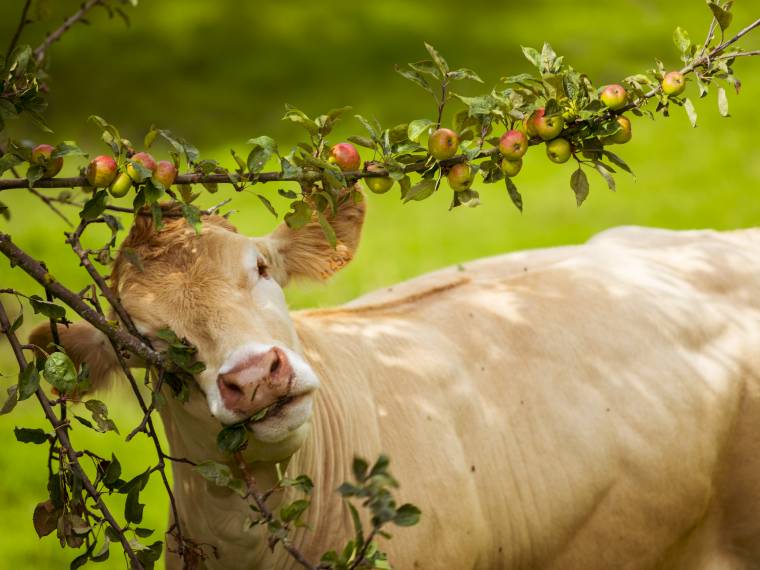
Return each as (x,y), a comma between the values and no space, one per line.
(232,387)
(275,366)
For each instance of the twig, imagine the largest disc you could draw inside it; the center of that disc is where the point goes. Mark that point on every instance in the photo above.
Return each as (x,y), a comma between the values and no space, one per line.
(65,443)
(53,37)
(21,24)
(49,202)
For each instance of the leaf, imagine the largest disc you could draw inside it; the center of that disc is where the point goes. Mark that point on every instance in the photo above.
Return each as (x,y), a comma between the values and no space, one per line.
(723,16)
(99,413)
(61,373)
(423,189)
(50,310)
(94,206)
(303,483)
(464,73)
(606,174)
(35,172)
(28,381)
(299,216)
(112,472)
(373,130)
(681,40)
(28,435)
(443,67)
(45,518)
(67,148)
(327,229)
(293,511)
(150,137)
(8,161)
(415,77)
(407,515)
(232,438)
(691,112)
(287,193)
(579,184)
(362,141)
(616,160)
(11,401)
(133,509)
(193,216)
(263,148)
(267,204)
(513,193)
(300,118)
(426,66)
(360,468)
(417,127)
(722,102)
(532,56)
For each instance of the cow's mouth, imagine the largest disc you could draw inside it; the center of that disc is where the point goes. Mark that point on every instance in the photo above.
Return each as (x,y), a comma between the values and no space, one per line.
(276,408)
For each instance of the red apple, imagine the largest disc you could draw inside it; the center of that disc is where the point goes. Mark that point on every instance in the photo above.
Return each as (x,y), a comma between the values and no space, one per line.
(345,156)
(144,158)
(41,155)
(614,96)
(623,135)
(101,171)
(673,83)
(443,144)
(513,145)
(545,127)
(165,173)
(460,177)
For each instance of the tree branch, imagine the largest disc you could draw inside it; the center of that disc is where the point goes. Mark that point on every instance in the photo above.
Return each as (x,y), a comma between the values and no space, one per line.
(21,24)
(53,37)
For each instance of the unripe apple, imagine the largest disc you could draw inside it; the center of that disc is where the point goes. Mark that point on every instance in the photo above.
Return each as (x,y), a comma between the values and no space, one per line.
(558,150)
(121,185)
(345,156)
(165,173)
(460,177)
(623,135)
(545,127)
(378,185)
(101,171)
(614,96)
(443,144)
(511,167)
(673,83)
(513,145)
(41,155)
(144,158)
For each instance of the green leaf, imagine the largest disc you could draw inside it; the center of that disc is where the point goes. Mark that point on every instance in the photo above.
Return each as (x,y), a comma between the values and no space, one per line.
(426,66)
(723,16)
(606,174)
(616,160)
(133,509)
(28,381)
(232,438)
(193,216)
(67,148)
(293,511)
(300,118)
(722,102)
(360,468)
(681,40)
(407,515)
(513,193)
(579,184)
(94,206)
(34,173)
(267,204)
(423,189)
(532,56)
(417,127)
(263,148)
(373,130)
(443,67)
(8,161)
(362,141)
(299,216)
(11,401)
(414,77)
(28,435)
(61,373)
(327,229)
(50,310)
(691,112)
(112,472)
(303,483)
(287,193)
(464,73)
(99,413)
(150,137)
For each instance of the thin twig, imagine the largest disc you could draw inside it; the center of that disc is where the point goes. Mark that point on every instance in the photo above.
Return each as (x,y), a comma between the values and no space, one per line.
(53,37)
(49,202)
(23,21)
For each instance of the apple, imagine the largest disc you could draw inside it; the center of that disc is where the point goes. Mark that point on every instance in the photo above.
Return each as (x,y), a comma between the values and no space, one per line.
(121,185)
(165,173)
(41,155)
(101,171)
(511,167)
(545,127)
(345,156)
(460,177)
(673,83)
(623,135)
(614,96)
(513,145)
(379,184)
(443,144)
(144,158)
(558,150)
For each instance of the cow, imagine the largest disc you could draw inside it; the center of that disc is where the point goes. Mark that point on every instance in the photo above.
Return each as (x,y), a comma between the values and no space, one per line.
(585,407)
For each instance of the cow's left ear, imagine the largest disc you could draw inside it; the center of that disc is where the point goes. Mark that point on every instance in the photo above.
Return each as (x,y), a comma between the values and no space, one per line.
(305,252)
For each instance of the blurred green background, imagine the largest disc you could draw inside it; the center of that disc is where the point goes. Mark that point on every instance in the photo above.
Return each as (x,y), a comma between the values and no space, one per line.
(218,73)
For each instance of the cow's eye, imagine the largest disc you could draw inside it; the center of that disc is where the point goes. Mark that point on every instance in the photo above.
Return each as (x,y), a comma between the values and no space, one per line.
(262,267)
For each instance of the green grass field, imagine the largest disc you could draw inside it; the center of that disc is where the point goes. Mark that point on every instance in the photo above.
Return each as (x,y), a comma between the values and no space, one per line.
(706,177)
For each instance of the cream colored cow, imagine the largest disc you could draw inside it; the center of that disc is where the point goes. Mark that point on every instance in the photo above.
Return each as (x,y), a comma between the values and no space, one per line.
(584,408)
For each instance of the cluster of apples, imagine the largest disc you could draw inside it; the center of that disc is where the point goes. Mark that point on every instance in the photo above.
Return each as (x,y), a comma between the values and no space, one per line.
(102,172)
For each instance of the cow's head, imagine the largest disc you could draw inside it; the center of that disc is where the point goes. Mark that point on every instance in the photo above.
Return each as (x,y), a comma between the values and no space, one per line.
(222,291)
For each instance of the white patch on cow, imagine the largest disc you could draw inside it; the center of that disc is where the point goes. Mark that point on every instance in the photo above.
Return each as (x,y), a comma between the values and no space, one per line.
(291,417)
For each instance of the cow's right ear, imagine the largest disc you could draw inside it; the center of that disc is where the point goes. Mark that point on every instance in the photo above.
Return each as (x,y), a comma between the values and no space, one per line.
(83,343)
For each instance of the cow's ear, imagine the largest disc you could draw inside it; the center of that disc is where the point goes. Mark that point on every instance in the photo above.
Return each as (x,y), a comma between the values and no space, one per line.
(83,343)
(306,252)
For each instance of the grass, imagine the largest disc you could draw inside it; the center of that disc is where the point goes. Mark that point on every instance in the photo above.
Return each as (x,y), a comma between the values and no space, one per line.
(707,177)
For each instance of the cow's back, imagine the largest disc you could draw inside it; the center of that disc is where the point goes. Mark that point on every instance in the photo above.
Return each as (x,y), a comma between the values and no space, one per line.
(580,414)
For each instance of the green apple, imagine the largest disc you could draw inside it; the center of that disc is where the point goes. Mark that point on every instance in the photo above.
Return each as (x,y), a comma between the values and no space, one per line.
(144,158)
(673,83)
(614,96)
(558,150)
(121,185)
(378,184)
(513,145)
(511,167)
(443,144)
(101,171)
(460,177)
(165,173)
(345,156)
(41,156)
(545,127)
(623,135)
